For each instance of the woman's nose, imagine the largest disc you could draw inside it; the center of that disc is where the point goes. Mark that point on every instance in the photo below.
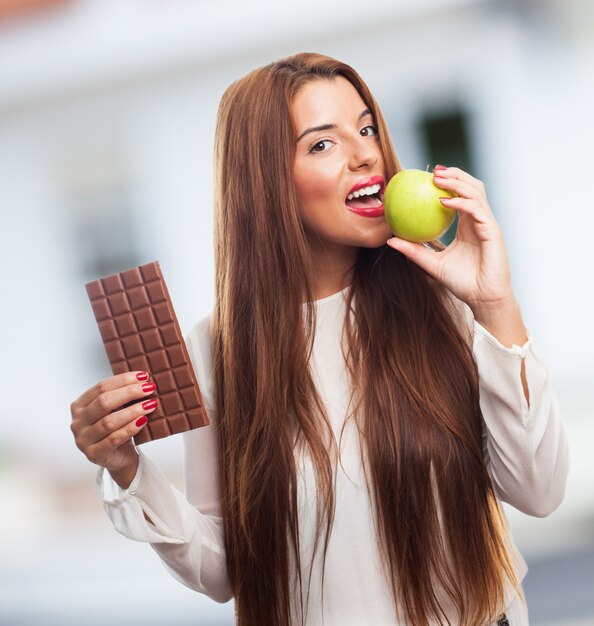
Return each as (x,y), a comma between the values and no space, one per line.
(364,153)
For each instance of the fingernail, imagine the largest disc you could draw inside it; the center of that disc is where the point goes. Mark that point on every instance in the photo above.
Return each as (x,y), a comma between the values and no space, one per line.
(149,387)
(440,167)
(142,376)
(141,421)
(149,404)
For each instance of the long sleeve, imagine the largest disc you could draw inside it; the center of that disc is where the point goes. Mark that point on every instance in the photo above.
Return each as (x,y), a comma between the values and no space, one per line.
(525,445)
(185,530)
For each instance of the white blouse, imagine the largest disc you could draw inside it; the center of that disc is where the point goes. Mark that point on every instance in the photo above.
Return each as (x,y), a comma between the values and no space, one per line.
(525,449)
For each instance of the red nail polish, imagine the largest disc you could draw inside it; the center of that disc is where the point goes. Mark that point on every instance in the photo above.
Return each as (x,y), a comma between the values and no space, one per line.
(141,421)
(149,404)
(149,387)
(142,376)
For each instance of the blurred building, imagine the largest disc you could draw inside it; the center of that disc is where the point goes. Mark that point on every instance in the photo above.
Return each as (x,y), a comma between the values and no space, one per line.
(107,115)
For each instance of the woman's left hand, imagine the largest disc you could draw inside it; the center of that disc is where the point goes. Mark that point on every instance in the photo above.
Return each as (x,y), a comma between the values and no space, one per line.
(474,267)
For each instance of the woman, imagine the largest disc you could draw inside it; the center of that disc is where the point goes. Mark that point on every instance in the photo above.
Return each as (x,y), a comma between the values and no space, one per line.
(382,398)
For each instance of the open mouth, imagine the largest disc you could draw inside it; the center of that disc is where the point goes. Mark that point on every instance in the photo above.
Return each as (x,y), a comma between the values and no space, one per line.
(370,197)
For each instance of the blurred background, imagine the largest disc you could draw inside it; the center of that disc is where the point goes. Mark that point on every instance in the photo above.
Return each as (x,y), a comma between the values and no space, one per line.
(107,116)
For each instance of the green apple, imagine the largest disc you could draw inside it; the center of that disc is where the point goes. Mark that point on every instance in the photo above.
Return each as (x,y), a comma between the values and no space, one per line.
(413,209)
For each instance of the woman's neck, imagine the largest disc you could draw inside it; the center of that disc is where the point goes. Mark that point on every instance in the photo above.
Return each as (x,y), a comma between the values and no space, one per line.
(334,270)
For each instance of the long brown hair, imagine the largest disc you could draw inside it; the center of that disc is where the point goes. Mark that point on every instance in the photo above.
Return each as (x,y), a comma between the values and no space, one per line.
(438,523)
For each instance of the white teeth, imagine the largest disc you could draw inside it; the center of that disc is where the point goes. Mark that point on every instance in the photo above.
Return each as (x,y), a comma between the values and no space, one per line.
(365,191)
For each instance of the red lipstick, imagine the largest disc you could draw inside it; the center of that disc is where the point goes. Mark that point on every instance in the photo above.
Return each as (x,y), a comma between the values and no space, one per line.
(374,212)
(369,206)
(367,182)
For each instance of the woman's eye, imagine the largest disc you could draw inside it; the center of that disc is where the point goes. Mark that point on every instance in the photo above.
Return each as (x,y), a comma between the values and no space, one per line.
(319,146)
(369,131)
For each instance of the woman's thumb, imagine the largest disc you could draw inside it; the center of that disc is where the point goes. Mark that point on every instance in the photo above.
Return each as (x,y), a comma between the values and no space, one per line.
(422,256)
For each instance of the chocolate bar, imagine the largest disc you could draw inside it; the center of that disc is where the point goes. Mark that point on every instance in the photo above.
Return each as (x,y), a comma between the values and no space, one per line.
(140,331)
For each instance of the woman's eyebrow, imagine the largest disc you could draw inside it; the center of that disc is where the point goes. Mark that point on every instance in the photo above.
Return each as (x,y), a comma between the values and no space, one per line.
(315,129)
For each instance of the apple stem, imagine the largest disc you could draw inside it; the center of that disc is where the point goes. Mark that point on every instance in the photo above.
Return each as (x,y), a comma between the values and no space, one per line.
(427,168)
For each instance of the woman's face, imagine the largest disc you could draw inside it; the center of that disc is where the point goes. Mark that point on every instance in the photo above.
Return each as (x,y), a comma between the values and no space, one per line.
(338,152)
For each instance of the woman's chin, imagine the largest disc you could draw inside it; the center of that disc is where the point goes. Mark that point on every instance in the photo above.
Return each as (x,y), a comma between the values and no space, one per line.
(377,238)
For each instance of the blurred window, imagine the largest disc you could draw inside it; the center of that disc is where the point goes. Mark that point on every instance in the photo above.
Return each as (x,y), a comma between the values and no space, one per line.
(446,140)
(104,240)
(103,236)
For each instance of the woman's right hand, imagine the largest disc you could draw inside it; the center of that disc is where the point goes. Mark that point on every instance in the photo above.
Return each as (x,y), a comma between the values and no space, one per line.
(103,430)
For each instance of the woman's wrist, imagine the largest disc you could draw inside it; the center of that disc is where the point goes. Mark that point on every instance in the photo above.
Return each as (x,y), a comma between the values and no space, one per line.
(504,321)
(123,477)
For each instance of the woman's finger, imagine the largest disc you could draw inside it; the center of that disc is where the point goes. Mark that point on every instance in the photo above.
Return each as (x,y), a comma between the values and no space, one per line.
(467,205)
(113,382)
(456,172)
(459,187)
(100,451)
(108,401)
(113,422)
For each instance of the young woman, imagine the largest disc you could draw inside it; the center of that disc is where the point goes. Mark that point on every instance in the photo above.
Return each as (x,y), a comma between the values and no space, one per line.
(371,404)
